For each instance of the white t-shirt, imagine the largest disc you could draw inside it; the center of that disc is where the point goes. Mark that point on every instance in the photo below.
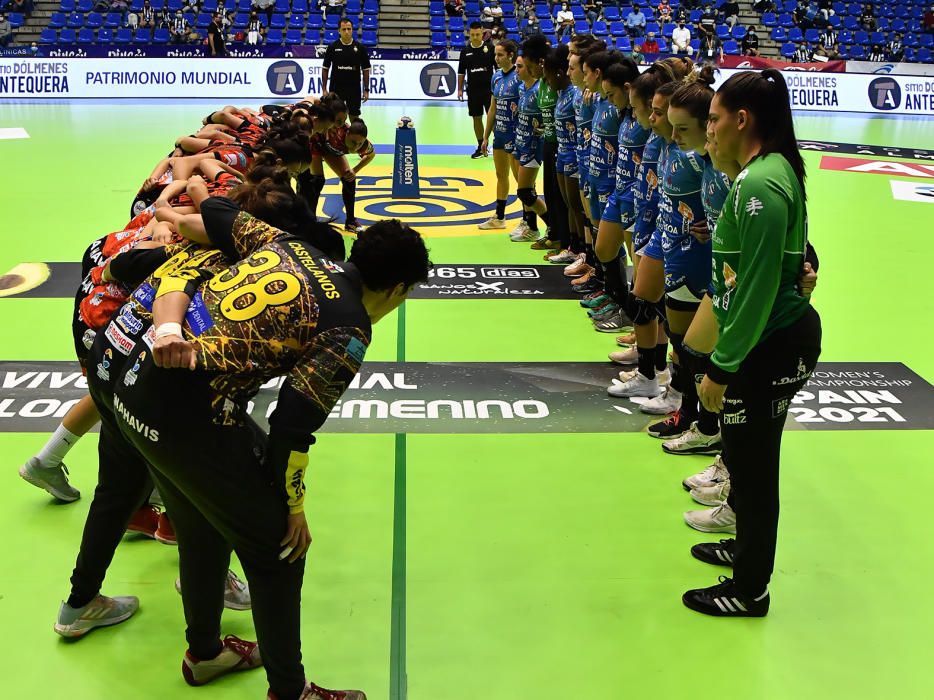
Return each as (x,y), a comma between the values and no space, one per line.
(564,16)
(681,37)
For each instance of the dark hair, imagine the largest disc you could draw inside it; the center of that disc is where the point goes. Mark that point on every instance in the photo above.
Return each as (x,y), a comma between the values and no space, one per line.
(765,96)
(324,237)
(695,93)
(266,164)
(273,201)
(591,45)
(473,25)
(289,143)
(390,253)
(557,59)
(601,60)
(510,47)
(535,48)
(658,74)
(618,74)
(334,102)
(357,127)
(345,20)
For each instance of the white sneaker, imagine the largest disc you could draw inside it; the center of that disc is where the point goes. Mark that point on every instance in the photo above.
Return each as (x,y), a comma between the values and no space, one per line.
(667,402)
(565,257)
(715,474)
(663,377)
(712,495)
(236,592)
(694,442)
(719,519)
(491,223)
(520,229)
(578,267)
(525,235)
(100,612)
(625,357)
(638,385)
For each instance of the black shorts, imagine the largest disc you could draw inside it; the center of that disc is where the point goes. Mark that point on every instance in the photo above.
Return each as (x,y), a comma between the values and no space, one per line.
(350,94)
(478,102)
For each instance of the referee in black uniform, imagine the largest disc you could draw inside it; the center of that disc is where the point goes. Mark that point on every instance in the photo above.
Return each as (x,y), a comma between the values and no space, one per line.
(476,64)
(350,59)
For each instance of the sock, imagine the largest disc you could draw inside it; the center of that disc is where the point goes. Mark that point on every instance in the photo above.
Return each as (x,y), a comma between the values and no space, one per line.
(661,357)
(590,256)
(349,195)
(500,208)
(531,219)
(707,422)
(647,362)
(54,451)
(544,217)
(688,389)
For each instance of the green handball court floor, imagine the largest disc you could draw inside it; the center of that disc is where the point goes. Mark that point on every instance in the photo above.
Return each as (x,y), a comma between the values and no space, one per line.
(495,564)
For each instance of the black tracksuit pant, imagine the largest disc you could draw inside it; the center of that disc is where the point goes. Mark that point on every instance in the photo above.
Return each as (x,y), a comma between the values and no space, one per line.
(557,209)
(753,418)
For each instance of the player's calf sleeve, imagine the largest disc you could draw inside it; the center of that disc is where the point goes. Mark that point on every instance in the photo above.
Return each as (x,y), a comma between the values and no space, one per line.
(349,195)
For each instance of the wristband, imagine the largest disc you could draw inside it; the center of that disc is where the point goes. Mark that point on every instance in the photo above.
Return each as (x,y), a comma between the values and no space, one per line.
(166,329)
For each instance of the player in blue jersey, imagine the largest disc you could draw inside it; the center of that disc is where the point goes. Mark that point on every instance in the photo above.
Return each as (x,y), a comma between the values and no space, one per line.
(529,144)
(649,287)
(604,132)
(501,123)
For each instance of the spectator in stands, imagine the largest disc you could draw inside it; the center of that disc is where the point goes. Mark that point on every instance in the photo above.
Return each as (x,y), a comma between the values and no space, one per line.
(178,29)
(6,31)
(217,48)
(761,6)
(664,12)
(190,6)
(650,46)
(264,6)
(255,31)
(826,9)
(828,39)
(801,55)
(592,9)
(895,50)
(120,6)
(636,54)
(635,22)
(497,34)
(867,20)
(681,39)
(102,6)
(492,14)
(708,20)
(800,16)
(876,54)
(531,27)
(750,45)
(928,21)
(24,7)
(147,16)
(526,7)
(730,12)
(454,8)
(710,49)
(332,7)
(564,21)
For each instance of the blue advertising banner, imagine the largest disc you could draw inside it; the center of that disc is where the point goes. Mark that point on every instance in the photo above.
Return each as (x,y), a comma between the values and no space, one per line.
(405,165)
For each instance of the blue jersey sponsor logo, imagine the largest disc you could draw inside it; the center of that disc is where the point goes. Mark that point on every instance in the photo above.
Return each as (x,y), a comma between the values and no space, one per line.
(604,142)
(506,93)
(529,121)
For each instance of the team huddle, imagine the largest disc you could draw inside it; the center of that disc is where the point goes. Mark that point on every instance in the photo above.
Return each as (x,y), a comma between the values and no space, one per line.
(223,279)
(702,192)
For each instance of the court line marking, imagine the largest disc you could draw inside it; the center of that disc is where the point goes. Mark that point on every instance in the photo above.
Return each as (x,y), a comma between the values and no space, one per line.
(398,679)
(13,133)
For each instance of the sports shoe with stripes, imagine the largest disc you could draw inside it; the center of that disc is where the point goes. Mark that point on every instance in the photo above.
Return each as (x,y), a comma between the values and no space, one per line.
(236,592)
(672,426)
(100,612)
(724,600)
(719,519)
(663,377)
(712,495)
(667,402)
(577,267)
(565,257)
(694,442)
(492,223)
(716,553)
(316,692)
(711,476)
(236,655)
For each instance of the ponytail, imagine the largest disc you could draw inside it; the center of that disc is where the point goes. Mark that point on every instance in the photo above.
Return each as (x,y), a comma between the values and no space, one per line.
(695,93)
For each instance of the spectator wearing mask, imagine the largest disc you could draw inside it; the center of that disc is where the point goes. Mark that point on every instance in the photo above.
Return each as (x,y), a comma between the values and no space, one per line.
(708,20)
(664,12)
(828,39)
(255,31)
(802,54)
(6,31)
(531,27)
(681,39)
(217,48)
(876,54)
(895,50)
(650,46)
(147,16)
(636,54)
(711,48)
(867,20)
(564,21)
(730,12)
(750,44)
(635,22)
(178,28)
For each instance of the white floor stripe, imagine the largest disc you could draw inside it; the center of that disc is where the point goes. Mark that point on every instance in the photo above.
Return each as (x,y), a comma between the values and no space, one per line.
(13,133)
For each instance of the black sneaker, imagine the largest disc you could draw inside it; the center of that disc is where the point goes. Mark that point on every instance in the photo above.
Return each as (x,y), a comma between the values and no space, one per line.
(591,285)
(673,426)
(716,553)
(723,600)
(479,153)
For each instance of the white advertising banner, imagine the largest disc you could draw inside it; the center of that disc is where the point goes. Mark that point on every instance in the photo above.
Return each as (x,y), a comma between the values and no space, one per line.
(268,79)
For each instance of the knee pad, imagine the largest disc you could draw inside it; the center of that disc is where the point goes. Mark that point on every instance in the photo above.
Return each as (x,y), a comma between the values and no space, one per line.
(643,311)
(527,196)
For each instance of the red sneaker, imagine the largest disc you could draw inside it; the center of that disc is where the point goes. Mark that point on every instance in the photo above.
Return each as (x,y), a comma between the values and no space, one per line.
(316,692)
(145,521)
(236,655)
(165,533)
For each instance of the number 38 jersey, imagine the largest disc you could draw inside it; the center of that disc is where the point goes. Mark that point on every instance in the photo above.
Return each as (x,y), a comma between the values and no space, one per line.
(283,309)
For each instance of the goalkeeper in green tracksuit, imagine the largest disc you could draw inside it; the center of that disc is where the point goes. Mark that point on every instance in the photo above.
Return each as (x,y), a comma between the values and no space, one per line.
(769,334)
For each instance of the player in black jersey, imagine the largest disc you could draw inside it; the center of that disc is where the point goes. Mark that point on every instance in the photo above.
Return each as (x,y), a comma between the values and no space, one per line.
(344,62)
(284,310)
(475,74)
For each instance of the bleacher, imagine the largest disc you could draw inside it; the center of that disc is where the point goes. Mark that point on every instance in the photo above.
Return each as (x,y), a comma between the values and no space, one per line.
(292,22)
(895,16)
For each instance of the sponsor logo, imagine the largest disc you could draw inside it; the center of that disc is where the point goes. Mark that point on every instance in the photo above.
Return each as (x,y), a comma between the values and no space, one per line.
(876,167)
(803,373)
(754,206)
(738,418)
(149,337)
(119,340)
(912,191)
(285,78)
(438,80)
(103,367)
(780,406)
(134,422)
(88,338)
(128,322)
(885,94)
(129,379)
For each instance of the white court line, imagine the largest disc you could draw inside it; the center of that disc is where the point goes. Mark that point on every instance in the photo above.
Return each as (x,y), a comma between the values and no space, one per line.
(13,133)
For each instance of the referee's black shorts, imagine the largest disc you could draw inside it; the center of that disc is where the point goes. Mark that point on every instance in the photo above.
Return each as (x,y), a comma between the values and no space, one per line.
(350,94)
(478,102)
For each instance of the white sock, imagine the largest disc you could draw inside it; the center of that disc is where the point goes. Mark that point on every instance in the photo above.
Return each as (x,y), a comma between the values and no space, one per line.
(57,447)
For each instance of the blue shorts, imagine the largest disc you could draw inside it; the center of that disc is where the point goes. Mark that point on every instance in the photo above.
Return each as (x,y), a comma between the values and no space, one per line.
(598,200)
(619,209)
(530,158)
(583,165)
(505,142)
(652,248)
(687,276)
(566,163)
